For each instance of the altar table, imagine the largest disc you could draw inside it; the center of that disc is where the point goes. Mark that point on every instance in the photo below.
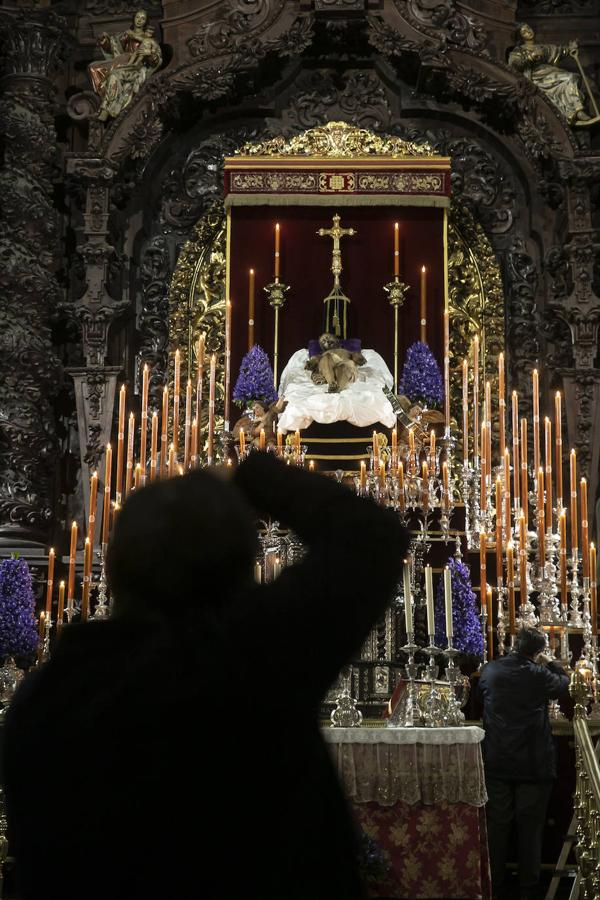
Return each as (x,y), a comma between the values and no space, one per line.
(418,795)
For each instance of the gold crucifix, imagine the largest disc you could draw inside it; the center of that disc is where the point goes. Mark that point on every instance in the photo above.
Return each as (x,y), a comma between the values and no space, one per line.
(336,295)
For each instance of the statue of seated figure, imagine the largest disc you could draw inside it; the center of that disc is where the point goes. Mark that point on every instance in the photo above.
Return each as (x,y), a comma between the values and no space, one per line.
(334,365)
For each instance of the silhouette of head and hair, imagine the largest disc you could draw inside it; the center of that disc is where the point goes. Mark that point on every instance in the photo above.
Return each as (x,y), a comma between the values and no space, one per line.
(530,642)
(180,544)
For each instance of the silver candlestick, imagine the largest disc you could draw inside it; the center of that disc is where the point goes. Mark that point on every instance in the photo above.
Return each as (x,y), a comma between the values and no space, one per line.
(502,614)
(454,714)
(45,652)
(345,714)
(102,610)
(587,652)
(434,717)
(409,709)
(575,618)
(483,618)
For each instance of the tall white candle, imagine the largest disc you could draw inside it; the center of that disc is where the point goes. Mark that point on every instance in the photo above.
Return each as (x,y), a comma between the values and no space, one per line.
(448,602)
(429,600)
(407,600)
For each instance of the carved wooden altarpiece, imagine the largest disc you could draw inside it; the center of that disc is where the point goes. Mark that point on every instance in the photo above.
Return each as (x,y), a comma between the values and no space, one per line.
(328,168)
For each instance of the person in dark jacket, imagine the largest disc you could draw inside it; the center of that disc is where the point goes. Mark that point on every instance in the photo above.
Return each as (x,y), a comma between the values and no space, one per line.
(174,750)
(519,754)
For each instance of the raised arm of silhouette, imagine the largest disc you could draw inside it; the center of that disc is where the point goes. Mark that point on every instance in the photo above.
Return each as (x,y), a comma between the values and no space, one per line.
(318,612)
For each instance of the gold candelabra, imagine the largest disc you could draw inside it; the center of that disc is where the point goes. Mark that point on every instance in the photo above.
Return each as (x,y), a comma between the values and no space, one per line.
(396,291)
(276,292)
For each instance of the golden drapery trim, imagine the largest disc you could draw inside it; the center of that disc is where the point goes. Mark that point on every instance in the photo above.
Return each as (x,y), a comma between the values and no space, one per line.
(335,200)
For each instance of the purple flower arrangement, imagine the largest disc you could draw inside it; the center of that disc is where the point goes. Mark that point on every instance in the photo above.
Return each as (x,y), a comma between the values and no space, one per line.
(421,378)
(255,381)
(18,629)
(465,614)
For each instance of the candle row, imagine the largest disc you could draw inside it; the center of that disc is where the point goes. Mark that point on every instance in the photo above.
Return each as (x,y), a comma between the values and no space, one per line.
(296,444)
(164,457)
(408,601)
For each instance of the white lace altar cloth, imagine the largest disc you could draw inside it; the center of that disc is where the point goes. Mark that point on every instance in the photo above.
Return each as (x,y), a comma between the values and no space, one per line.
(361,403)
(413,765)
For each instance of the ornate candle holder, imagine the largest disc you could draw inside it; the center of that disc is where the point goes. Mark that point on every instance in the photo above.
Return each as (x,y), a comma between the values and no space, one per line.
(241,455)
(396,291)
(586,651)
(483,617)
(466,483)
(575,618)
(543,585)
(361,490)
(554,710)
(227,448)
(434,714)
(552,573)
(423,540)
(294,548)
(565,653)
(271,544)
(70,609)
(487,515)
(276,292)
(45,651)
(454,714)
(102,610)
(299,459)
(345,714)
(502,616)
(527,615)
(411,715)
(446,503)
(448,443)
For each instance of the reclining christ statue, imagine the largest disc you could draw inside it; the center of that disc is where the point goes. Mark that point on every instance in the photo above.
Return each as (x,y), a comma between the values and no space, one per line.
(336,385)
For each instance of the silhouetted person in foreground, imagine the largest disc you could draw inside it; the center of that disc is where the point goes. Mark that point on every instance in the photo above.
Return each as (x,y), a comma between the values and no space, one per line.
(174,751)
(519,755)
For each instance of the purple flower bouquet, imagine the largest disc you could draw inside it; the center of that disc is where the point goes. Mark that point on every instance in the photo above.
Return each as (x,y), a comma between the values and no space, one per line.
(18,630)
(465,614)
(255,381)
(421,378)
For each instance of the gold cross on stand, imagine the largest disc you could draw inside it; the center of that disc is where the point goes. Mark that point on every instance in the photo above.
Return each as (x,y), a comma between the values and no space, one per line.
(336,233)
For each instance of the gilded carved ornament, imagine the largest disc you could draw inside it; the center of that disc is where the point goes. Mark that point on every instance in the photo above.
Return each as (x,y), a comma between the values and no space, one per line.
(338,139)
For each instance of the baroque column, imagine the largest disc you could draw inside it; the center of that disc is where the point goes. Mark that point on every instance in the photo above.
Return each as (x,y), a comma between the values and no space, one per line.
(95,311)
(30,372)
(577,305)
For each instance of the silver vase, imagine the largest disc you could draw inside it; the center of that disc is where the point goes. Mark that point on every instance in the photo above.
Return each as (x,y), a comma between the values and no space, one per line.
(10,677)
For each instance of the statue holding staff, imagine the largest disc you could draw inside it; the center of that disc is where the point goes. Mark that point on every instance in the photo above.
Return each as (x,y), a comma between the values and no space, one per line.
(539,62)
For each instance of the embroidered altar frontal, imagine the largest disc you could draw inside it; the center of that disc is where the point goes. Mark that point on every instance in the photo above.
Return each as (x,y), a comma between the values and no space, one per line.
(367,181)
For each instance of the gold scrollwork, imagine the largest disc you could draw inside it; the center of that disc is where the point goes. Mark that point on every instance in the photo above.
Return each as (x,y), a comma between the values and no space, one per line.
(476,300)
(403,182)
(338,139)
(197,295)
(272,182)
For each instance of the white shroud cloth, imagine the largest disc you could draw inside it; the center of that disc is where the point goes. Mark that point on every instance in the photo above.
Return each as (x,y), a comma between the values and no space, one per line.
(362,403)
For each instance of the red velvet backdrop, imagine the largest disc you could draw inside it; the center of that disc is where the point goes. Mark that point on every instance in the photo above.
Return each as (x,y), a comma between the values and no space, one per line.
(367,258)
